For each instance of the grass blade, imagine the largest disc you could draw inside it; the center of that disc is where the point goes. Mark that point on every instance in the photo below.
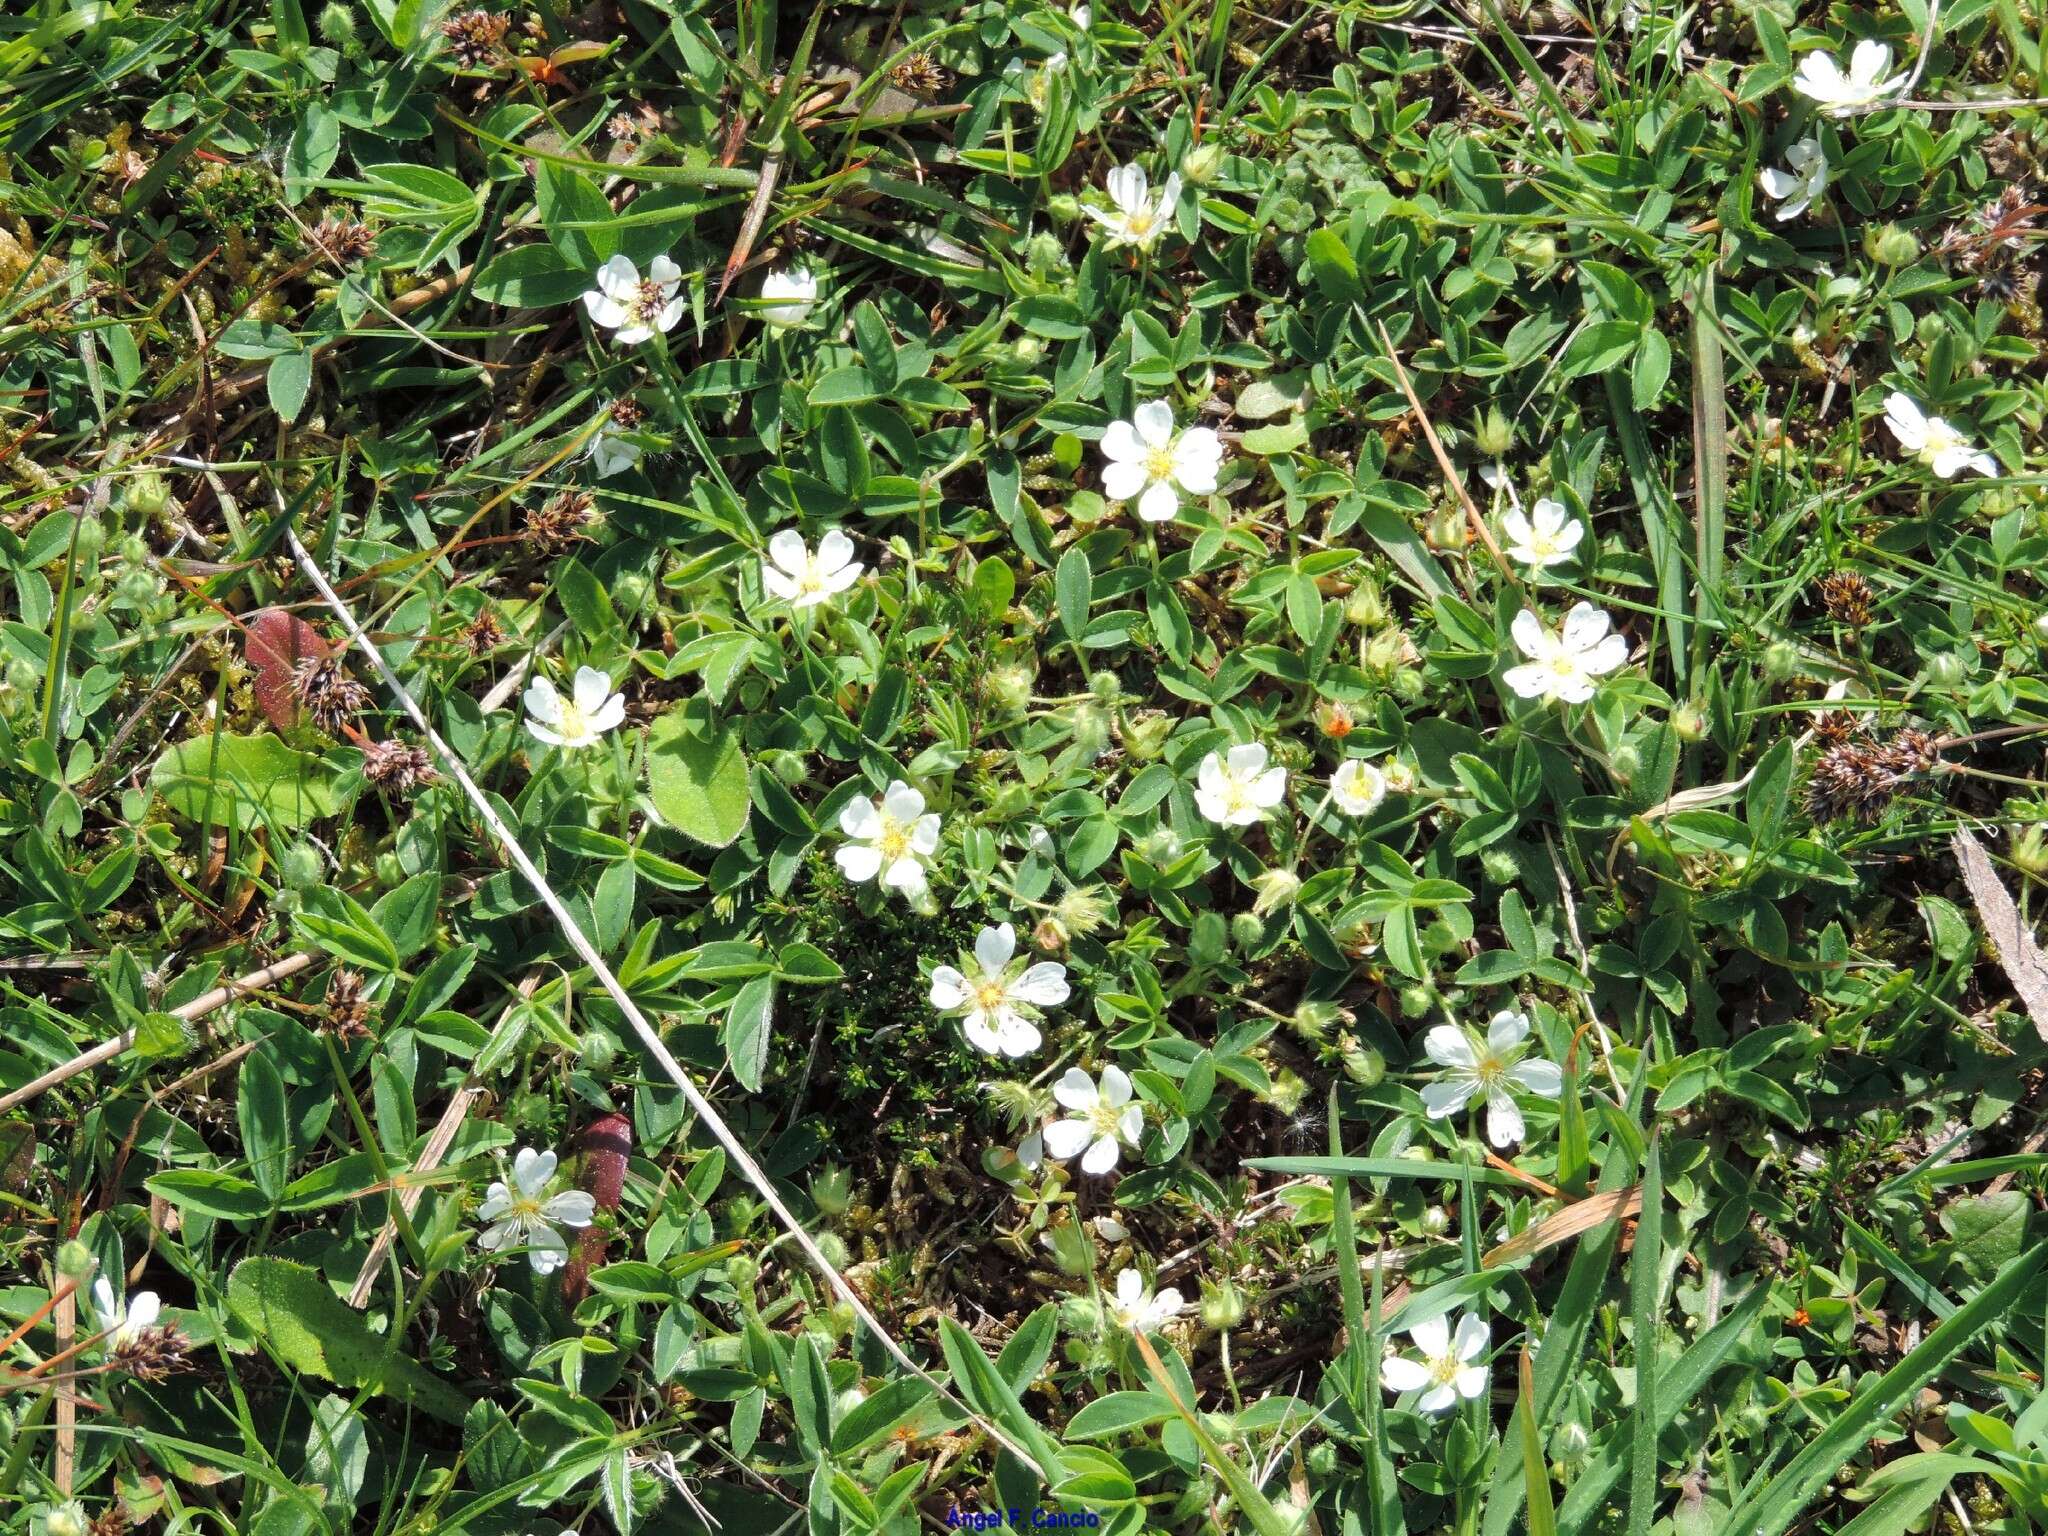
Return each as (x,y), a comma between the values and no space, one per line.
(1535,1473)
(1709,464)
(1644,1290)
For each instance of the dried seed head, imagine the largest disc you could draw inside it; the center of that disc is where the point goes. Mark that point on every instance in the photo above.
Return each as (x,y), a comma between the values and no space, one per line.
(1334,719)
(1846,597)
(560,523)
(397,768)
(921,75)
(154,1353)
(483,634)
(329,695)
(627,413)
(347,1009)
(111,1521)
(344,241)
(1861,779)
(475,37)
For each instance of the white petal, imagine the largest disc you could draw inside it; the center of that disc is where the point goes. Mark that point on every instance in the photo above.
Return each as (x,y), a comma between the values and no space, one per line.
(1269,788)
(1442,1100)
(543,703)
(1529,633)
(1247,760)
(1432,1336)
(1869,62)
(1471,1381)
(1516,526)
(531,1170)
(605,310)
(902,802)
(1472,1337)
(1101,1157)
(859,862)
(504,1234)
(572,1208)
(1400,1374)
(1130,1290)
(1506,1030)
(664,271)
(861,818)
(993,948)
(1116,1086)
(949,988)
(1075,1089)
(835,550)
(1437,1399)
(1503,1119)
(1017,1035)
(904,874)
(590,689)
(1449,1046)
(619,278)
(1130,1125)
(1606,656)
(787,550)
(1584,627)
(1044,985)
(545,1250)
(1160,503)
(924,835)
(1529,681)
(1127,186)
(497,1201)
(1542,1078)
(1153,422)
(1064,1139)
(1121,443)
(1124,479)
(979,1035)
(143,1309)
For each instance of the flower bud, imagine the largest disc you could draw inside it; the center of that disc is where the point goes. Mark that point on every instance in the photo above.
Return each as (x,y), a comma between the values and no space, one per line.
(1050,935)
(337,26)
(2029,851)
(1780,660)
(146,493)
(1571,1442)
(1447,528)
(1063,208)
(1534,254)
(1314,1018)
(1408,684)
(1009,687)
(1222,1305)
(740,1272)
(1276,888)
(1400,776)
(1494,434)
(1363,1065)
(1144,734)
(1381,655)
(833,1246)
(1198,167)
(1945,669)
(1089,722)
(1084,910)
(791,769)
(1159,847)
(1436,1221)
(1027,350)
(1246,931)
(1366,607)
(831,1190)
(1334,719)
(1891,245)
(1499,865)
(600,1049)
(1287,1092)
(66,1519)
(75,1261)
(1689,722)
(1416,1000)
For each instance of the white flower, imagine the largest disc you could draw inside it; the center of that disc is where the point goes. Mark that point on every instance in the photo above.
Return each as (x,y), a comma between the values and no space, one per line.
(1149,460)
(577,721)
(1821,78)
(1543,536)
(611,452)
(1081,17)
(789,296)
(1136,1307)
(1562,666)
(1932,440)
(1030,1153)
(802,579)
(1497,478)
(1139,217)
(124,1326)
(519,1217)
(1401,777)
(634,308)
(1000,1008)
(1103,1119)
(1446,1371)
(1804,179)
(1491,1069)
(892,837)
(1357,787)
(1109,1229)
(1238,789)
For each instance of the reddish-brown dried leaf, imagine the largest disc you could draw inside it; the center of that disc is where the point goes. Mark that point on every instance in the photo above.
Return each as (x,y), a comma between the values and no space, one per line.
(607,1143)
(274,642)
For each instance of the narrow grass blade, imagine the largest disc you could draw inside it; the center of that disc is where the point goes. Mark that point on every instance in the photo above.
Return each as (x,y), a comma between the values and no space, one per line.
(1644,1291)
(1709,464)
(1535,1472)
(1776,1505)
(1662,524)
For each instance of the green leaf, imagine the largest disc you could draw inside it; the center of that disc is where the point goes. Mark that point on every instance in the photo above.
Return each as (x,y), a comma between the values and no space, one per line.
(698,779)
(210,1193)
(242,782)
(749,1030)
(260,1114)
(1074,587)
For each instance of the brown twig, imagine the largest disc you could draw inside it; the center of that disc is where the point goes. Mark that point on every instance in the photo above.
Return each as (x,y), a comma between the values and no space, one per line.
(205,1003)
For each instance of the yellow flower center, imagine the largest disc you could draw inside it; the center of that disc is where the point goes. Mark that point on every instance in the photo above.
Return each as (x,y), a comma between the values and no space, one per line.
(893,840)
(991,996)
(575,724)
(1159,464)
(1138,225)
(1443,1370)
(1564,664)
(1103,1117)
(1542,544)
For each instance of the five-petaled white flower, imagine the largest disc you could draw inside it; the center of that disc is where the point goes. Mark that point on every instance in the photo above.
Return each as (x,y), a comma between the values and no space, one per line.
(587,713)
(1489,1069)
(788,297)
(124,1326)
(1933,440)
(1357,787)
(1000,1008)
(520,1217)
(1150,461)
(1139,217)
(612,452)
(892,837)
(1804,178)
(1840,92)
(1448,1369)
(1136,1307)
(1562,665)
(1237,789)
(1543,536)
(802,579)
(1103,1119)
(634,307)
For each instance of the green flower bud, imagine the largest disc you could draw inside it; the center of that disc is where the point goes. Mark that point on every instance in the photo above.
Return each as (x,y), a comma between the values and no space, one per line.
(791,769)
(301,866)
(1246,931)
(1009,687)
(832,1190)
(1198,167)
(1781,660)
(1144,734)
(1534,254)
(1689,722)
(1027,350)
(66,1519)
(1891,245)
(1222,1305)
(1106,686)
(630,591)
(1366,607)
(1363,1065)
(1063,208)
(1314,1018)
(1400,775)
(75,1261)
(1494,434)
(833,1246)
(1945,669)
(1287,1092)
(1084,910)
(2029,852)
(1571,1443)
(1416,1000)
(598,1051)
(92,538)
(390,873)
(740,1272)
(1276,888)
(1408,684)
(1436,1221)
(1159,847)
(146,494)
(337,26)
(1091,727)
